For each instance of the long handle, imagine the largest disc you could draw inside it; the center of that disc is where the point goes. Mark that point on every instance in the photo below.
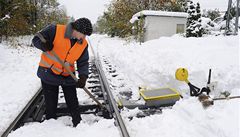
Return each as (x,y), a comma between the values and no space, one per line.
(75,78)
(233,97)
(64,65)
(209,76)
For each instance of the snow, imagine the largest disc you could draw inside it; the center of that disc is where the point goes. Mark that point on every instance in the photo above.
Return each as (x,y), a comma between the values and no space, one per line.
(5,17)
(60,127)
(154,63)
(18,81)
(151,64)
(188,118)
(205,22)
(157,13)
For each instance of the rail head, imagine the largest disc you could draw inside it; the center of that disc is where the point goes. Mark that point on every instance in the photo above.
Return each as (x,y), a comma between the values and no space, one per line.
(112,101)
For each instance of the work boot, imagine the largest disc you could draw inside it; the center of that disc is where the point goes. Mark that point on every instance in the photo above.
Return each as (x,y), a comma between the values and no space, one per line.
(76,120)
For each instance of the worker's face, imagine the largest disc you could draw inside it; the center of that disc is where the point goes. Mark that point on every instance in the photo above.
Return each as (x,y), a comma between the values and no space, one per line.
(78,35)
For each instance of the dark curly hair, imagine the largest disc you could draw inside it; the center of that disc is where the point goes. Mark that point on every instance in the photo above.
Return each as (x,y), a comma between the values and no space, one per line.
(83,25)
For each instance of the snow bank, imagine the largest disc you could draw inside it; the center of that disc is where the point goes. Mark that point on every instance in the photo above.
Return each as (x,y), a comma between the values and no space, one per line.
(153,64)
(18,81)
(189,119)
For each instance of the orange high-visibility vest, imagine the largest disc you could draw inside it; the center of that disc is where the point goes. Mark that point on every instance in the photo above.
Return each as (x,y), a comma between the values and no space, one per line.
(62,47)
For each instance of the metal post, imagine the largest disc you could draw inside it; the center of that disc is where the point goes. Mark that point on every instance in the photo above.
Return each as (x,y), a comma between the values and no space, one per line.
(227,28)
(237,16)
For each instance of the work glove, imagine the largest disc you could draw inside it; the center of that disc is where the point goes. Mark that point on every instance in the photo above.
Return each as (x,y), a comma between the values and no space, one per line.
(47,46)
(81,81)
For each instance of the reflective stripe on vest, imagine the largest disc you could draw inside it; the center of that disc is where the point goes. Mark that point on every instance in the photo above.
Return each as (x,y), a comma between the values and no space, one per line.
(62,47)
(53,67)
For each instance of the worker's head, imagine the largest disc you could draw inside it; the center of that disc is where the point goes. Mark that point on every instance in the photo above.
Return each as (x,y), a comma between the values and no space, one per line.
(81,28)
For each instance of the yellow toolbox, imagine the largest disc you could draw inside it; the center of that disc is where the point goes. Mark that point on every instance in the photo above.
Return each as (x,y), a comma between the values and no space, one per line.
(160,97)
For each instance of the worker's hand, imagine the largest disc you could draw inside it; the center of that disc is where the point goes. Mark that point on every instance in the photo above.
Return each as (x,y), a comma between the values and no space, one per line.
(81,82)
(47,46)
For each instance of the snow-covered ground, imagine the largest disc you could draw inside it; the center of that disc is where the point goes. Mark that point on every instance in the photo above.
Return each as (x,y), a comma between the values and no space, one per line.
(151,64)
(18,82)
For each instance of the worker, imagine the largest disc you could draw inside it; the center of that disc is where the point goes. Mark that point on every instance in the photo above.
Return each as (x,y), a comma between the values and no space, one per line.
(70,45)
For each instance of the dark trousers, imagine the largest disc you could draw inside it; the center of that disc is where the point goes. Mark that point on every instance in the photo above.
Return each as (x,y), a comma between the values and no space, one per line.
(51,99)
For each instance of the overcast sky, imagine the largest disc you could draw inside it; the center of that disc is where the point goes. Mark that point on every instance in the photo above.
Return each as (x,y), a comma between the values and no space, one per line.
(94,8)
(91,9)
(213,4)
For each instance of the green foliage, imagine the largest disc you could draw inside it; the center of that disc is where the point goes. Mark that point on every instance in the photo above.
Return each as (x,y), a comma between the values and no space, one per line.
(14,18)
(177,6)
(24,17)
(115,21)
(49,12)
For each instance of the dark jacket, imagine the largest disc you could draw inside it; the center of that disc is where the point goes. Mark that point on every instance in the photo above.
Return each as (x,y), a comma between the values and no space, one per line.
(46,74)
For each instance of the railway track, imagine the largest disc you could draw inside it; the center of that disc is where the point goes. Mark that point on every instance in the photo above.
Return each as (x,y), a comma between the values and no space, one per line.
(34,111)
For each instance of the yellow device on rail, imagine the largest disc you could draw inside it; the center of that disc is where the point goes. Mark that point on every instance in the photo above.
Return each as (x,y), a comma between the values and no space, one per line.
(182,75)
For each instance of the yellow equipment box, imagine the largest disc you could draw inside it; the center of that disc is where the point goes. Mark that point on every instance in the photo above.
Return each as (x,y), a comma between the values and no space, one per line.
(160,97)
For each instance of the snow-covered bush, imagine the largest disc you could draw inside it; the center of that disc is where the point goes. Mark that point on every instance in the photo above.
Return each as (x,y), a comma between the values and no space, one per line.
(217,26)
(19,41)
(208,26)
(194,27)
(211,13)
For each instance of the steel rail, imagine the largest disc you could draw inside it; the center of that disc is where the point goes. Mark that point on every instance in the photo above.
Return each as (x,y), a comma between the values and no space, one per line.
(112,102)
(113,107)
(15,123)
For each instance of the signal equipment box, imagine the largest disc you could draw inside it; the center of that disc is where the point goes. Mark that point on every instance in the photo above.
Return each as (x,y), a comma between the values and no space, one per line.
(160,97)
(152,98)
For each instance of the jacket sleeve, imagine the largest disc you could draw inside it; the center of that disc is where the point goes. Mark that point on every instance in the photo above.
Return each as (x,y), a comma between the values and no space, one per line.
(82,63)
(48,33)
